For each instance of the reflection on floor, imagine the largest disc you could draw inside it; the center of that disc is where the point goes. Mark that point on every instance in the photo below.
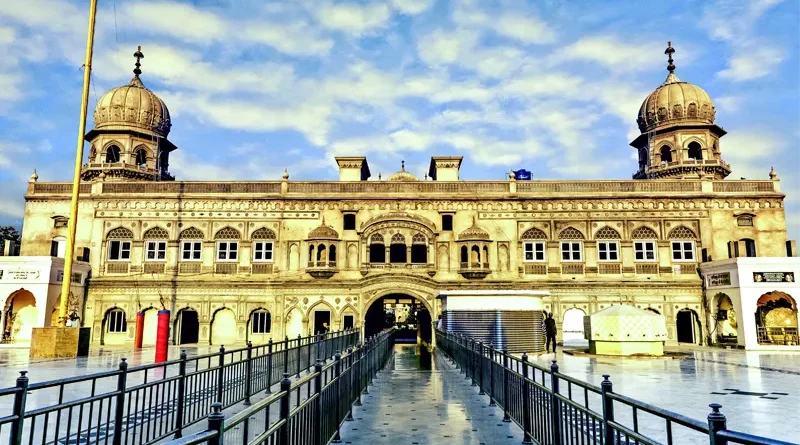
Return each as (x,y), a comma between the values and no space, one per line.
(421,399)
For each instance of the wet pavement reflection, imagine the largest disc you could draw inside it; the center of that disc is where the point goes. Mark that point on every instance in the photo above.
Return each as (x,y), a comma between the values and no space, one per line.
(419,398)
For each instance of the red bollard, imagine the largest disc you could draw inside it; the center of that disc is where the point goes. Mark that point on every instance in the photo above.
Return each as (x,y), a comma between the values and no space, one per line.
(162,336)
(137,339)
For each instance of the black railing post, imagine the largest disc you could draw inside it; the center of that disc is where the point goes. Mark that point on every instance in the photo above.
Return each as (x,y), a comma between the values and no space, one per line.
(19,408)
(470,358)
(317,439)
(372,360)
(506,388)
(475,362)
(119,412)
(337,438)
(481,376)
(349,384)
(555,404)
(286,389)
(359,374)
(716,422)
(310,347)
(608,408)
(491,375)
(527,425)
(269,366)
(299,341)
(216,421)
(220,373)
(181,402)
(248,374)
(286,355)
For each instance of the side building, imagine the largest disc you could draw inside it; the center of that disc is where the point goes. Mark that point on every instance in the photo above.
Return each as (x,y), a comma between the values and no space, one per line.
(237,261)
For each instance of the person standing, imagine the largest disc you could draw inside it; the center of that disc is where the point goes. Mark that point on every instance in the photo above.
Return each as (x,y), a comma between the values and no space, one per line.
(550,331)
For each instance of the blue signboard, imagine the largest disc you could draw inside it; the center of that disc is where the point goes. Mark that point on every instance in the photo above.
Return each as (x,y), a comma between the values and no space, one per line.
(522,175)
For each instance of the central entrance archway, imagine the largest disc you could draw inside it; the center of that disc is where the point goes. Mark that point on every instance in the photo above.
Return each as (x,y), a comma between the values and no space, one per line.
(408,314)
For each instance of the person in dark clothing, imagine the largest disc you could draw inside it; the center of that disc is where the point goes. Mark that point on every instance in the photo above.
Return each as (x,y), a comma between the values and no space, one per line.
(550,331)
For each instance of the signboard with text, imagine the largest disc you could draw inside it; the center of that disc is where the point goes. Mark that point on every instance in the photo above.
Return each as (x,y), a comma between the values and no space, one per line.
(20,274)
(773,277)
(719,279)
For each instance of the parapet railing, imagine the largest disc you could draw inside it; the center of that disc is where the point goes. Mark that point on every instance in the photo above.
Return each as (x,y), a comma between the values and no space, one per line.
(340,188)
(139,405)
(308,411)
(554,409)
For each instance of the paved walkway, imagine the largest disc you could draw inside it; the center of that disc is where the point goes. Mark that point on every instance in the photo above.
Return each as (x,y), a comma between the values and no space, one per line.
(421,399)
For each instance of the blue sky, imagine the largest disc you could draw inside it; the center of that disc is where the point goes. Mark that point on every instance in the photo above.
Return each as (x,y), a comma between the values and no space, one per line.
(258,86)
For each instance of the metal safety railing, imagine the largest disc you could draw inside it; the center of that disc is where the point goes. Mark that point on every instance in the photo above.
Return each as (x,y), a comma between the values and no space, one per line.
(553,408)
(139,405)
(308,411)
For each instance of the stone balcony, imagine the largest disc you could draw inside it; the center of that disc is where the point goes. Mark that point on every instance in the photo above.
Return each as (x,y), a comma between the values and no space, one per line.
(474,271)
(321,269)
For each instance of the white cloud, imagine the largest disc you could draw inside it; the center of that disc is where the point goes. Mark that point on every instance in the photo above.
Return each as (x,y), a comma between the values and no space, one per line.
(442,47)
(728,104)
(176,19)
(613,53)
(750,152)
(412,7)
(733,21)
(752,64)
(523,27)
(352,18)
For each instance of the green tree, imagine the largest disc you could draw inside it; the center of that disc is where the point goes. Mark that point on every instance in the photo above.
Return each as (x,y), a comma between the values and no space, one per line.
(9,232)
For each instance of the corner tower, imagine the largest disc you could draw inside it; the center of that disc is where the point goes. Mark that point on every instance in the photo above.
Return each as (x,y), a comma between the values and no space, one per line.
(129,138)
(679,138)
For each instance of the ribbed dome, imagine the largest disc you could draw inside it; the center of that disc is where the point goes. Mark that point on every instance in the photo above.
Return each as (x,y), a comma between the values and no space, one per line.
(132,106)
(675,101)
(323,232)
(474,233)
(402,175)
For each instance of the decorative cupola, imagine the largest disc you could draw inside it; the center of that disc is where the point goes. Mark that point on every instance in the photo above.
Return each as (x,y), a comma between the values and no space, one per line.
(679,138)
(322,252)
(402,175)
(129,138)
(473,247)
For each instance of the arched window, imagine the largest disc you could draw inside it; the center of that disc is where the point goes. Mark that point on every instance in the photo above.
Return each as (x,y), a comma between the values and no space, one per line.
(377,250)
(683,244)
(397,250)
(141,157)
(571,250)
(311,256)
(227,244)
(191,244)
(644,245)
(112,154)
(475,255)
(155,245)
(464,254)
(332,253)
(58,246)
(263,245)
(119,244)
(261,322)
(607,244)
(666,154)
(485,258)
(749,247)
(115,321)
(695,151)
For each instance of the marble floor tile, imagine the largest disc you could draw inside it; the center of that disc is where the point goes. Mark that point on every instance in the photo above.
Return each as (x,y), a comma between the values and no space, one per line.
(421,399)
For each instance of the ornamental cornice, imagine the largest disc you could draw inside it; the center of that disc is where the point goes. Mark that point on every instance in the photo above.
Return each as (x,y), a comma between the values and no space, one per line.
(399,217)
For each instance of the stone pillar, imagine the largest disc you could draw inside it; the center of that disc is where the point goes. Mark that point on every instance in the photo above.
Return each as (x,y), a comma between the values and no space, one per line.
(387,247)
(408,255)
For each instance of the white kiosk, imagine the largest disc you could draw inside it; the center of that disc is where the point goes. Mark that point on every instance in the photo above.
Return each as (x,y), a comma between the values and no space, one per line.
(510,319)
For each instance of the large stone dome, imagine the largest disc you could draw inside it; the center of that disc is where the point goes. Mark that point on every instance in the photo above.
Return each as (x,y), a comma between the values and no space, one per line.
(133,106)
(674,102)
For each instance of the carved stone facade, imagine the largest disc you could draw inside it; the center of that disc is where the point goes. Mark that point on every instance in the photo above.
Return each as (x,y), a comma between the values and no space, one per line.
(239,250)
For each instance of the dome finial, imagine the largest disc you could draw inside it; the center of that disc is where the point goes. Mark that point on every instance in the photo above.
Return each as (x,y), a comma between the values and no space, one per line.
(139,56)
(668,52)
(402,165)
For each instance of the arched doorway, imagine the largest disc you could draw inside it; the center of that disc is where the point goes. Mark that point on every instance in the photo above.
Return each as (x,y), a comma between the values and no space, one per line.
(21,317)
(187,327)
(572,328)
(725,320)
(776,319)
(320,316)
(115,327)
(687,324)
(150,327)
(223,327)
(406,313)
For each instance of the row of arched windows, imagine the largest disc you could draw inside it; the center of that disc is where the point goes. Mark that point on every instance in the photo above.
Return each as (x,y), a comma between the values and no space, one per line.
(226,233)
(695,152)
(398,250)
(570,233)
